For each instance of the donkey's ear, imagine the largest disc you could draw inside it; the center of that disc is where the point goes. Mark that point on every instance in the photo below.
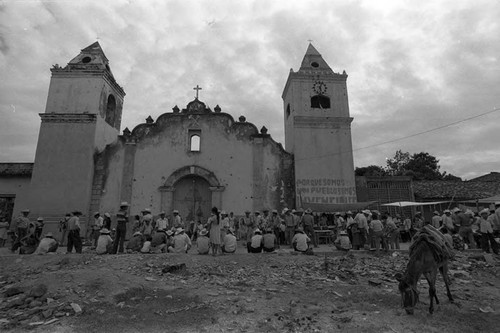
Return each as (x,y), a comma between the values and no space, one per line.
(398,276)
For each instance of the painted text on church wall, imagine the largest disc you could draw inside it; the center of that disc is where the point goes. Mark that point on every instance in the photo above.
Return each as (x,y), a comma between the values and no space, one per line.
(325,191)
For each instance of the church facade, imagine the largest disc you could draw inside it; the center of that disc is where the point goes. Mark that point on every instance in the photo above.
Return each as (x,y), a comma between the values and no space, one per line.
(191,158)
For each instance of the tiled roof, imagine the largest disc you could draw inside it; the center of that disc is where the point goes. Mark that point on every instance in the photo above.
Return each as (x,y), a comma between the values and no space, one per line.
(458,190)
(16,169)
(491,177)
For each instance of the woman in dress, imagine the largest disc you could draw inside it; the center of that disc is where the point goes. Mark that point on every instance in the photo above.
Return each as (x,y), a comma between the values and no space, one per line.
(214,227)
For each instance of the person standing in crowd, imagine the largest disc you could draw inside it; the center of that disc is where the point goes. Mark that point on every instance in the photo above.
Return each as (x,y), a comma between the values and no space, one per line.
(447,221)
(74,239)
(96,228)
(232,220)
(269,241)
(257,220)
(349,222)
(229,242)
(177,220)
(406,233)
(47,244)
(300,242)
(274,223)
(250,225)
(255,245)
(377,231)
(121,227)
(104,242)
(20,227)
(465,231)
(266,218)
(4,227)
(39,227)
(162,221)
(224,224)
(289,220)
(436,220)
(392,232)
(418,223)
(308,225)
(486,230)
(202,242)
(362,218)
(495,220)
(147,226)
(214,227)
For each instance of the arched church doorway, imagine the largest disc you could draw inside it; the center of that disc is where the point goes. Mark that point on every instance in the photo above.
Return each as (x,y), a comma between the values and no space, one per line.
(192,198)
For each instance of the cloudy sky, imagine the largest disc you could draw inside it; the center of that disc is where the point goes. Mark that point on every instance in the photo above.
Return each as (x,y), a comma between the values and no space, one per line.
(413,66)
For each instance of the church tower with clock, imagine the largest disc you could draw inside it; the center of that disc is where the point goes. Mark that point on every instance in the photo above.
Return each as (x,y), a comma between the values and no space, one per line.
(318,133)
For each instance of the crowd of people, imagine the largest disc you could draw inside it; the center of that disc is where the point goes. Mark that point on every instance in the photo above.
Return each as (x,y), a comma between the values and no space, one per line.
(259,232)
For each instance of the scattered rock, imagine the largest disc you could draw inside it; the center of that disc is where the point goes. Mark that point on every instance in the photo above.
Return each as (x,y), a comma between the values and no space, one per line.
(374,282)
(76,308)
(178,268)
(35,304)
(38,291)
(487,309)
(12,291)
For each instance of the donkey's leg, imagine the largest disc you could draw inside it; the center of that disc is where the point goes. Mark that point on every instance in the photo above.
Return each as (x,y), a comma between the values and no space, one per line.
(431,280)
(444,272)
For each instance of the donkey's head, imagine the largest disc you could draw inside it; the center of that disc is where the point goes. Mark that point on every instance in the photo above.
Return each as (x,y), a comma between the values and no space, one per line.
(409,293)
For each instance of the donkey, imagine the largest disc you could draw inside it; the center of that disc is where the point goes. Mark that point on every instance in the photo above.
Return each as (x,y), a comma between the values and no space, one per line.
(422,261)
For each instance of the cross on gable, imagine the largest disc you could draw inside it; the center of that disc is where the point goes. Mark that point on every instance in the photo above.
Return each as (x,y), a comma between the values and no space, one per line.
(197,88)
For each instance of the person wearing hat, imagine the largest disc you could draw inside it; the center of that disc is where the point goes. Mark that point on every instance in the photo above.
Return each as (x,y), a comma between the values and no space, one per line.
(290,226)
(300,241)
(266,218)
(464,220)
(247,226)
(96,228)
(377,230)
(256,242)
(136,243)
(47,244)
(269,241)
(162,221)
(203,242)
(362,220)
(258,219)
(74,239)
(308,225)
(20,227)
(275,224)
(122,219)
(487,239)
(147,225)
(39,227)
(342,243)
(229,242)
(436,220)
(4,226)
(177,220)
(104,242)
(213,225)
(181,242)
(447,221)
(418,223)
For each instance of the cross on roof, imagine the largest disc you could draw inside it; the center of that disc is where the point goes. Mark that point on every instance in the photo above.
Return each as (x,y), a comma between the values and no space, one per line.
(197,88)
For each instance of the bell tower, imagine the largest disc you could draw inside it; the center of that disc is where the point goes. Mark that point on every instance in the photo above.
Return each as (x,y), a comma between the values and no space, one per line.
(318,132)
(82,116)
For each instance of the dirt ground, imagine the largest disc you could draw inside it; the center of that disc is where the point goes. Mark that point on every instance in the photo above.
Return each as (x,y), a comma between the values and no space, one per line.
(354,292)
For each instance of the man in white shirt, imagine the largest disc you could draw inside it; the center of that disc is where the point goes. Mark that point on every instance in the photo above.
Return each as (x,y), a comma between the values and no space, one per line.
(229,242)
(300,241)
(162,222)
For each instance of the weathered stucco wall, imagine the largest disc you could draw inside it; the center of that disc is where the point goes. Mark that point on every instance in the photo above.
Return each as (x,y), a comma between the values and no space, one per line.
(71,94)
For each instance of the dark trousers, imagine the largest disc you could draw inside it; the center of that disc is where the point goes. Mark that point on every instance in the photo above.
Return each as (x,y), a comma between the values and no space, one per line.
(21,233)
(488,240)
(74,240)
(120,238)
(309,230)
(254,250)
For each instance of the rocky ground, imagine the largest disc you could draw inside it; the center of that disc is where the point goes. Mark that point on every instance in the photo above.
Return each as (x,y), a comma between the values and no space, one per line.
(354,292)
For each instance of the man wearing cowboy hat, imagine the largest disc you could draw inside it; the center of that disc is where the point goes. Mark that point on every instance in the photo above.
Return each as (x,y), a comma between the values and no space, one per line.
(275,224)
(269,241)
(121,227)
(135,243)
(256,242)
(177,220)
(300,241)
(74,239)
(105,242)
(486,230)
(290,226)
(202,242)
(159,242)
(447,221)
(465,230)
(20,227)
(47,244)
(436,220)
(229,242)
(147,226)
(162,221)
(496,220)
(308,225)
(181,241)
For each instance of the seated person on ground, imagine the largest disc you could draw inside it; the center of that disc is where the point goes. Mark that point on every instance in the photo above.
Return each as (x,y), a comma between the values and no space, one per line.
(147,245)
(158,242)
(300,241)
(135,243)
(47,244)
(229,242)
(182,242)
(104,242)
(270,243)
(342,242)
(202,242)
(28,244)
(255,245)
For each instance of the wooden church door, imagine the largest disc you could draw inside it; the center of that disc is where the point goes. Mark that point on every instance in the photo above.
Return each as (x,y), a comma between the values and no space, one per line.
(193,198)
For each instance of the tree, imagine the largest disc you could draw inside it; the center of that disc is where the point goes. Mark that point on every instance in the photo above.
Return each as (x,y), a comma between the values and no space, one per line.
(372,170)
(424,166)
(397,166)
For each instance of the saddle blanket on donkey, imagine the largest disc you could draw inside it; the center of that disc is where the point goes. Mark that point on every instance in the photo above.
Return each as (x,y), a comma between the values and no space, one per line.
(440,248)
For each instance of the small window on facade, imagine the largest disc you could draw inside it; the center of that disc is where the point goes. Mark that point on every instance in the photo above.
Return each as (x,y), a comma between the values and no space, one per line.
(288,110)
(195,142)
(111,110)
(320,102)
